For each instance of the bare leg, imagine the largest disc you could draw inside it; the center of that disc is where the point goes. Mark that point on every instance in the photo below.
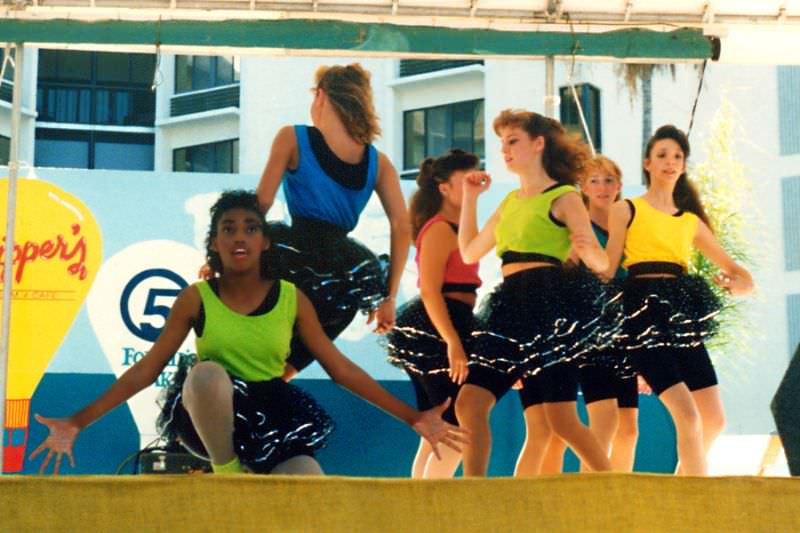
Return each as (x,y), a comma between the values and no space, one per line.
(473,407)
(603,423)
(208,398)
(421,459)
(554,456)
(299,465)
(445,467)
(712,414)
(688,426)
(563,418)
(623,450)
(537,436)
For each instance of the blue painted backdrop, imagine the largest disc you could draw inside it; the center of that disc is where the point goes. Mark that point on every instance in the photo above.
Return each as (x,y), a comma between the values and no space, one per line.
(137,207)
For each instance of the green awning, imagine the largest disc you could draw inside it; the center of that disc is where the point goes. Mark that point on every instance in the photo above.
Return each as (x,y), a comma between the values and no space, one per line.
(366,38)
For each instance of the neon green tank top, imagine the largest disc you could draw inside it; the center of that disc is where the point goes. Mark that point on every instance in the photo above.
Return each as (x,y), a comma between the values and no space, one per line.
(253,348)
(525,225)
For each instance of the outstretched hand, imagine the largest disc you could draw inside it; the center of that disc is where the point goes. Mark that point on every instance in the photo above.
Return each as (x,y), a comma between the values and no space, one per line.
(63,433)
(432,428)
(735,285)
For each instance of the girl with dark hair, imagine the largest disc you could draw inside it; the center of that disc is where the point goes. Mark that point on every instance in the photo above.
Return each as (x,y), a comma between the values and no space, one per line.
(329,172)
(233,406)
(609,388)
(542,316)
(433,333)
(670,313)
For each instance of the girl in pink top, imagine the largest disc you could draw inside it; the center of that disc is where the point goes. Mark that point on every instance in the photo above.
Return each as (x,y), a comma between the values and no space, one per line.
(431,338)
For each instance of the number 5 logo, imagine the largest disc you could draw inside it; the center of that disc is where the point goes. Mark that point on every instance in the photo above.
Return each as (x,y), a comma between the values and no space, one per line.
(146,330)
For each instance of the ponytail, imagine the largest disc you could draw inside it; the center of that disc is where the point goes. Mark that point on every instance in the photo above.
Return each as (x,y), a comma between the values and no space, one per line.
(427,199)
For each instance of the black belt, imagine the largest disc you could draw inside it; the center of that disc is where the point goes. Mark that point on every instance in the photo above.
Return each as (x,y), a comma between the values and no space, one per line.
(318,229)
(656,267)
(529,257)
(460,287)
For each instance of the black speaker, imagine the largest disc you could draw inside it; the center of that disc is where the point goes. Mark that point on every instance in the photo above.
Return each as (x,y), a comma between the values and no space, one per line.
(159,462)
(786,412)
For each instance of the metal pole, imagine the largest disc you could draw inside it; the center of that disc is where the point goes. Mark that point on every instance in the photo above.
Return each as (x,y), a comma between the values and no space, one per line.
(550,87)
(13,170)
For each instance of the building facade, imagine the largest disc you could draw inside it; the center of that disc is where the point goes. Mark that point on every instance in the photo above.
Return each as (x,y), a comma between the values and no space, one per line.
(98,110)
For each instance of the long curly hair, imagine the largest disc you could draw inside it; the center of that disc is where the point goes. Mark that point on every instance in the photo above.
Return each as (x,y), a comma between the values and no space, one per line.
(349,90)
(565,157)
(235,199)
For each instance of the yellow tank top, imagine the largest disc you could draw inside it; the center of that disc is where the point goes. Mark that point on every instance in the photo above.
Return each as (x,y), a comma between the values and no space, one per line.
(526,225)
(656,236)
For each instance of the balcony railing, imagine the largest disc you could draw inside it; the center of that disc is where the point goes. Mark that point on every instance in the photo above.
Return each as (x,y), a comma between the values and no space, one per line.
(410,67)
(204,100)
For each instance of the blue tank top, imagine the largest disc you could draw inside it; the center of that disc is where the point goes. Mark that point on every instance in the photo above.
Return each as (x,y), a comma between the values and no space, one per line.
(602,237)
(311,193)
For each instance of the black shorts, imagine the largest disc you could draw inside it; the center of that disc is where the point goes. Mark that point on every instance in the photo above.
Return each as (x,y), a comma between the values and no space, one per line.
(604,383)
(664,367)
(556,383)
(433,389)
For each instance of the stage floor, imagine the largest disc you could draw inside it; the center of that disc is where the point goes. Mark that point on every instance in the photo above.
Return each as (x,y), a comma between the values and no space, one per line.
(566,503)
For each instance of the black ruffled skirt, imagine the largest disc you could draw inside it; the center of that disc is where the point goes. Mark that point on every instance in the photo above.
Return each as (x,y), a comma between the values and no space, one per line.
(339,275)
(543,316)
(415,345)
(273,421)
(679,312)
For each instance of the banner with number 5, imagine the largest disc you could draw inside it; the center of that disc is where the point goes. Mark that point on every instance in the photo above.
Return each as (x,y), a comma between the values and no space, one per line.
(128,306)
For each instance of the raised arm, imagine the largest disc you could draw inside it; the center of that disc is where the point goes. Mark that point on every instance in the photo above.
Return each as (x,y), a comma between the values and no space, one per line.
(437,244)
(569,208)
(388,189)
(282,156)
(735,278)
(474,244)
(64,431)
(618,219)
(350,376)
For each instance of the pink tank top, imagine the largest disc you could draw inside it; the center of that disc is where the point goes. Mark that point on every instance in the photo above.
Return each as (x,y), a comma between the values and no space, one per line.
(456,272)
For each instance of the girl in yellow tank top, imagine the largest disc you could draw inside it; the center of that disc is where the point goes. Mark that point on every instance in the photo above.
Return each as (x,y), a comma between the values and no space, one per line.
(541,317)
(669,312)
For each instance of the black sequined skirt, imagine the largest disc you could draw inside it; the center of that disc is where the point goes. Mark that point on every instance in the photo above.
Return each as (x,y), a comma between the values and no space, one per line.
(338,274)
(273,421)
(415,344)
(678,312)
(542,316)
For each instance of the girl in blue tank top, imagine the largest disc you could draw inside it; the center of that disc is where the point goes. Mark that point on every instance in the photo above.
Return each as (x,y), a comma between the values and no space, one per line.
(233,407)
(329,172)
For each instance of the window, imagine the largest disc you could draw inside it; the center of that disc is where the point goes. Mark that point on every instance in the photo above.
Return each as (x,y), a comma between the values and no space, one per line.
(790,191)
(5,149)
(589,97)
(410,67)
(433,131)
(95,88)
(793,317)
(789,109)
(220,157)
(7,81)
(193,73)
(93,149)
